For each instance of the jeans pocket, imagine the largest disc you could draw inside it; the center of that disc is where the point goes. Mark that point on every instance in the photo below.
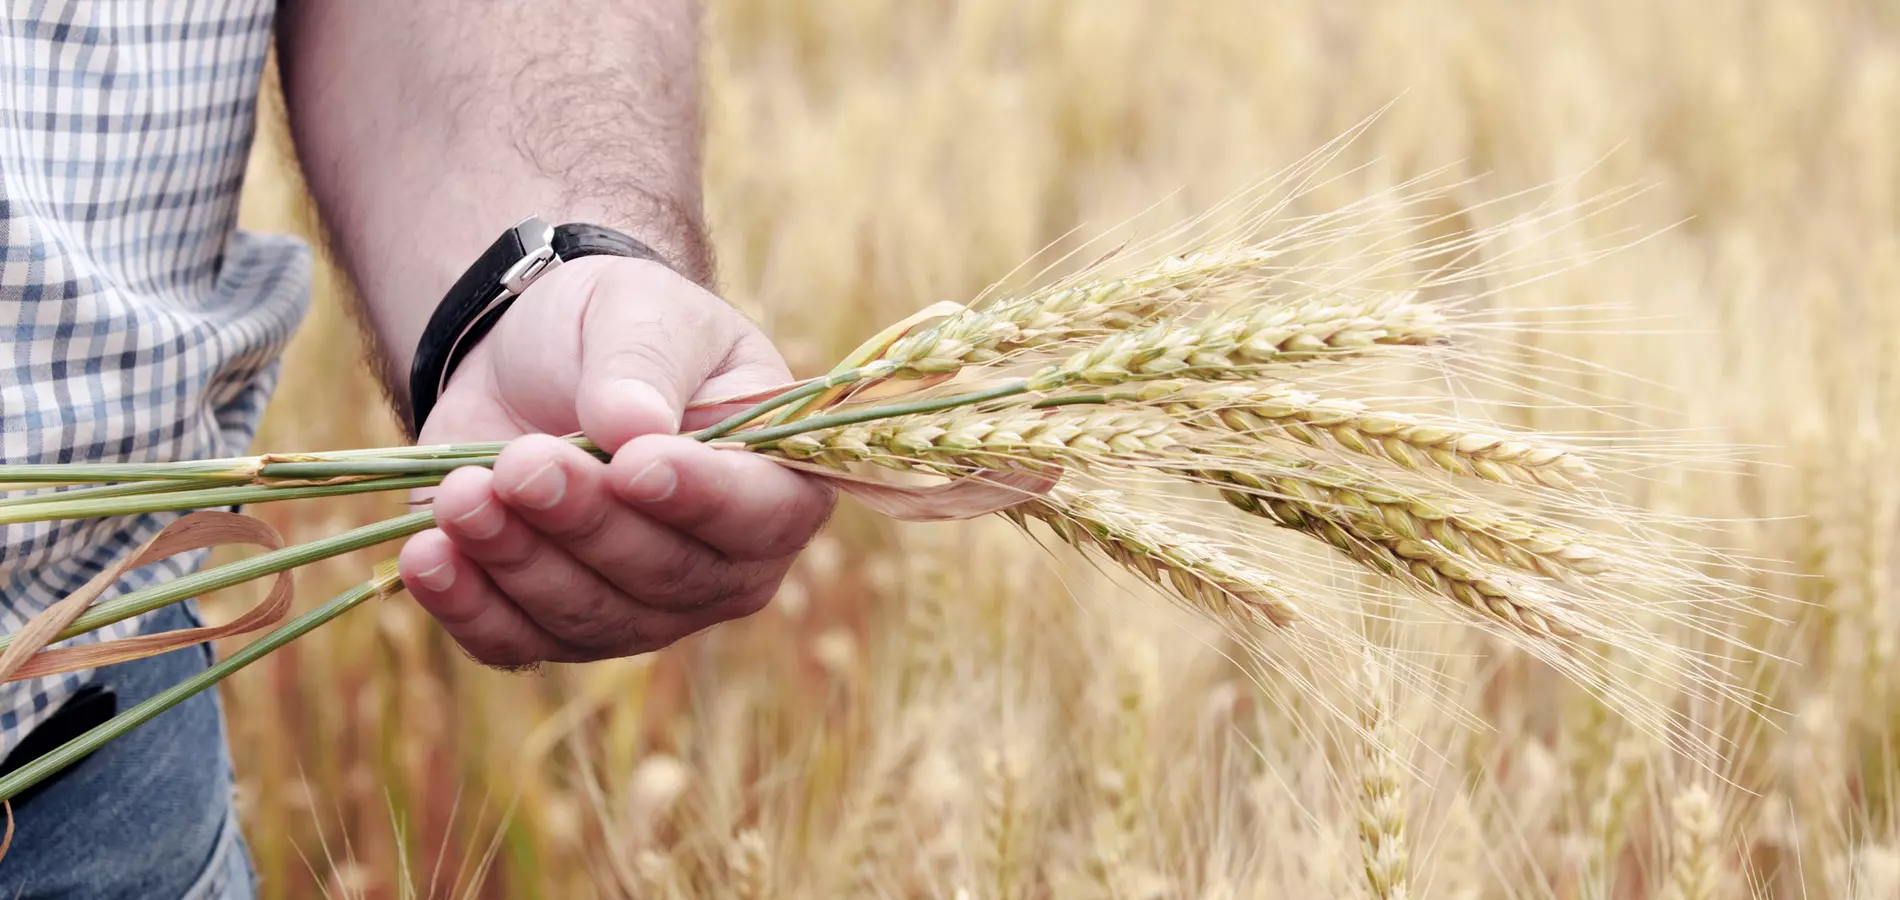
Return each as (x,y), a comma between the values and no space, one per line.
(228,875)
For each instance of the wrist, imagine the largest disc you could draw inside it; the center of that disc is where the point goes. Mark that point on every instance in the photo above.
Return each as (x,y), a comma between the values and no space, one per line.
(400,289)
(491,286)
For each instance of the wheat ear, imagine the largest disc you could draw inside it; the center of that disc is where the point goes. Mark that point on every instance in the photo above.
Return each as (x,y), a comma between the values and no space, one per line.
(1609,815)
(1003,774)
(962,439)
(1411,442)
(1692,875)
(1067,313)
(1116,827)
(1207,577)
(1369,541)
(1489,534)
(1382,842)
(748,863)
(1230,347)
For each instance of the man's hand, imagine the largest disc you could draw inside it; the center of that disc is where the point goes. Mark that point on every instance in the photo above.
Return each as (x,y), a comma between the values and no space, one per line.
(422,131)
(557,556)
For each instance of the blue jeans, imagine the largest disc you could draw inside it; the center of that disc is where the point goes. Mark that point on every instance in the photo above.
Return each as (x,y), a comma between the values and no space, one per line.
(149,815)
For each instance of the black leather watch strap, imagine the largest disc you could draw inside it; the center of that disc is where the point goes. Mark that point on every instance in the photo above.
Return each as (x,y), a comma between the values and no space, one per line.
(488,288)
(574,241)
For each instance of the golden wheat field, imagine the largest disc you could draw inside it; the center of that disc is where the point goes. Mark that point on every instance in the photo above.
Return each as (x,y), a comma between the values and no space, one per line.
(955,710)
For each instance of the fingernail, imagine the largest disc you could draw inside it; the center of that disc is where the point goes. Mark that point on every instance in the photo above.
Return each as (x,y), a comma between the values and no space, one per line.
(646,408)
(543,487)
(438,579)
(482,522)
(653,483)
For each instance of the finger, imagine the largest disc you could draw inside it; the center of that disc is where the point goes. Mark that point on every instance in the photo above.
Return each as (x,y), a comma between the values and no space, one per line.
(562,596)
(753,365)
(741,504)
(649,341)
(561,493)
(453,590)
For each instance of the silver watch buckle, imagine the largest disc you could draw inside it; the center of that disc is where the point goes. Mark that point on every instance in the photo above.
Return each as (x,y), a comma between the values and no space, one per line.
(537,240)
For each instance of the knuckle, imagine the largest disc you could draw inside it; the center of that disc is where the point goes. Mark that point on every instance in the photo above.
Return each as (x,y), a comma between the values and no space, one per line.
(459,613)
(648,356)
(584,617)
(696,509)
(583,528)
(691,579)
(665,573)
(512,555)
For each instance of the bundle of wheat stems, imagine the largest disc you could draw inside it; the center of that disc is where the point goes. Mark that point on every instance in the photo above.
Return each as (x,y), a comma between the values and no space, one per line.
(1105,407)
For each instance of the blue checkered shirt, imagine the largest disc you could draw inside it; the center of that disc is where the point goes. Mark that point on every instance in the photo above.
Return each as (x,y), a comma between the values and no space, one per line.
(136,322)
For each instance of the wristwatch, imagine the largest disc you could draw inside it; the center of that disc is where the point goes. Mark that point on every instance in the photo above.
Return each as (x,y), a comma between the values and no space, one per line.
(517,259)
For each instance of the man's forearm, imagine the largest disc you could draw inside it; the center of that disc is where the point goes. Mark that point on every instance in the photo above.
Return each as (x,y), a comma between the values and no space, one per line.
(425,127)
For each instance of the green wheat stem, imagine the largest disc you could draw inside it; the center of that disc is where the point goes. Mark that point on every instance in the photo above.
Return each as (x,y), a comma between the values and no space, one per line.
(205,581)
(54,474)
(370,468)
(867,414)
(1072,400)
(78,748)
(209,498)
(734,421)
(481,455)
(230,469)
(101,491)
(399,468)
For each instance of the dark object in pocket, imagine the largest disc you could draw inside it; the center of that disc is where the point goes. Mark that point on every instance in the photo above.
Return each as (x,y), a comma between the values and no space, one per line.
(89,706)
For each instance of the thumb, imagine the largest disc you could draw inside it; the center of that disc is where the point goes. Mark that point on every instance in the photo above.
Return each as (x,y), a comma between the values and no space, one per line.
(649,340)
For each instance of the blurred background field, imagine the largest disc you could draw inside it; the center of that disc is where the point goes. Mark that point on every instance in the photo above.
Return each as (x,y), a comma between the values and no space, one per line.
(949,711)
